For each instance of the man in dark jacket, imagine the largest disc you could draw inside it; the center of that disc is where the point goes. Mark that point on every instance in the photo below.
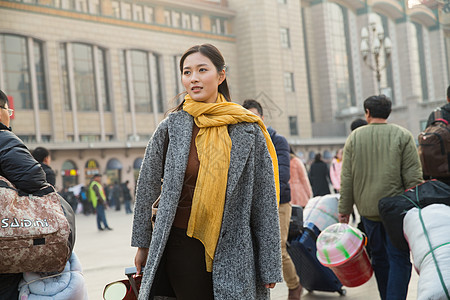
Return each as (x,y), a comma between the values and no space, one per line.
(285,208)
(445,110)
(21,169)
(42,155)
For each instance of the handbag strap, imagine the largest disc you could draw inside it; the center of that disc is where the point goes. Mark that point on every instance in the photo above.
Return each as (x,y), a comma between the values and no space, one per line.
(42,192)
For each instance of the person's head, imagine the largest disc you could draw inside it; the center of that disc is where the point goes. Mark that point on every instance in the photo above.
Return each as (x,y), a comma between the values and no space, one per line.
(97,177)
(5,111)
(318,157)
(254,106)
(203,75)
(126,182)
(377,107)
(357,123)
(339,153)
(448,94)
(42,155)
(291,151)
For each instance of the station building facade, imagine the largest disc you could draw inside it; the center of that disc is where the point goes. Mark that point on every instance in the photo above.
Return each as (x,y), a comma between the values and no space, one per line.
(91,79)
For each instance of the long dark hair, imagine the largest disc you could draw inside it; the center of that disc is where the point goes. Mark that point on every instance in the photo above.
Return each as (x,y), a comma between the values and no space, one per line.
(216,58)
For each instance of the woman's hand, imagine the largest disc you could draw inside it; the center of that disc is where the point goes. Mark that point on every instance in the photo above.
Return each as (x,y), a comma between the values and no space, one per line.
(140,259)
(270,285)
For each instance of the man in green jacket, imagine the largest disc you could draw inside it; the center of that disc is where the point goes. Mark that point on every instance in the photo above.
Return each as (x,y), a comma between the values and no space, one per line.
(380,160)
(98,199)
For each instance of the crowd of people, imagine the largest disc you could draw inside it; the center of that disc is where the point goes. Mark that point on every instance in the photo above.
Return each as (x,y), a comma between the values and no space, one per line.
(225,200)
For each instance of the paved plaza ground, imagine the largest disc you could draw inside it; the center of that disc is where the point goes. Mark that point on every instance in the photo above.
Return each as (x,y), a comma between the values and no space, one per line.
(105,255)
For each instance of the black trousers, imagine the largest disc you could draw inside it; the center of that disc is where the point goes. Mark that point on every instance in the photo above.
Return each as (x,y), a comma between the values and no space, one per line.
(9,286)
(183,266)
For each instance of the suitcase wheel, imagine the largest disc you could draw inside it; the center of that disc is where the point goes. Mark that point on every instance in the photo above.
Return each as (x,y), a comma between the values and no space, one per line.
(342,292)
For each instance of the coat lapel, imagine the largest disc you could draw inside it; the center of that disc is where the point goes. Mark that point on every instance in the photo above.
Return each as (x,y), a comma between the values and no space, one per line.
(242,138)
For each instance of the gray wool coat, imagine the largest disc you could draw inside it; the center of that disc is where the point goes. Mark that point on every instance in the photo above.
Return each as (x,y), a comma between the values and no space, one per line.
(248,253)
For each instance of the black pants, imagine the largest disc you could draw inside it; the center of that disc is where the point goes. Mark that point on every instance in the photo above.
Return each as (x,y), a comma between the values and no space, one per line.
(9,284)
(186,268)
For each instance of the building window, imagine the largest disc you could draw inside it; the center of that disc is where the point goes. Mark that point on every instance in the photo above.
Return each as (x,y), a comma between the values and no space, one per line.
(16,53)
(27,138)
(90,138)
(138,13)
(90,80)
(46,138)
(218,25)
(149,16)
(64,4)
(293,126)
(144,80)
(289,82)
(116,8)
(141,81)
(418,69)
(447,54)
(176,19)
(40,74)
(81,5)
(167,18)
(103,79)
(83,70)
(338,25)
(94,7)
(285,39)
(125,10)
(186,21)
(196,25)
(123,81)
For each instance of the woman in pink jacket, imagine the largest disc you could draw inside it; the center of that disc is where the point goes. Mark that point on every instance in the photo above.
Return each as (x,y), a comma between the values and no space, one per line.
(301,190)
(335,171)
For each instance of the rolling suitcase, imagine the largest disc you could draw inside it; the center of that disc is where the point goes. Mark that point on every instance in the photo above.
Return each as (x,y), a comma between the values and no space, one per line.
(313,275)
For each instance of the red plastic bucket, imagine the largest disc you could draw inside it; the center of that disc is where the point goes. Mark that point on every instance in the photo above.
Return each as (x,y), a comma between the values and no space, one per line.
(340,247)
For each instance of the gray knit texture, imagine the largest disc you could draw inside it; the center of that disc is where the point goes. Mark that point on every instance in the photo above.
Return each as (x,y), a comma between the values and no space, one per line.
(248,253)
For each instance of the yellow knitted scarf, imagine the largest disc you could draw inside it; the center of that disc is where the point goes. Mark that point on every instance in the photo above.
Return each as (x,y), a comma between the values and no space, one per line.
(213,147)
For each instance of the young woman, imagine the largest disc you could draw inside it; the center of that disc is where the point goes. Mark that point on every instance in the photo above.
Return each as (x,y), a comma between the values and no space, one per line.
(301,190)
(216,234)
(335,170)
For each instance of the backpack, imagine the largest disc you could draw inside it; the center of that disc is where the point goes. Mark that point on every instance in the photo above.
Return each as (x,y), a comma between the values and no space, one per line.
(34,232)
(434,147)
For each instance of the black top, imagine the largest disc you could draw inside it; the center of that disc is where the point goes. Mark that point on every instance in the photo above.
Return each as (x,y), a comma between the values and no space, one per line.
(319,176)
(17,164)
(284,164)
(49,173)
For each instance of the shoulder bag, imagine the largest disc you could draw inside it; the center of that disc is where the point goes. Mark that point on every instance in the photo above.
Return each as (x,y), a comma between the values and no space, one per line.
(34,231)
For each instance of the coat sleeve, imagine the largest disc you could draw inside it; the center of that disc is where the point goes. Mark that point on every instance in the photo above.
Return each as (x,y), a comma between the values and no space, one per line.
(21,169)
(264,216)
(346,200)
(148,187)
(411,166)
